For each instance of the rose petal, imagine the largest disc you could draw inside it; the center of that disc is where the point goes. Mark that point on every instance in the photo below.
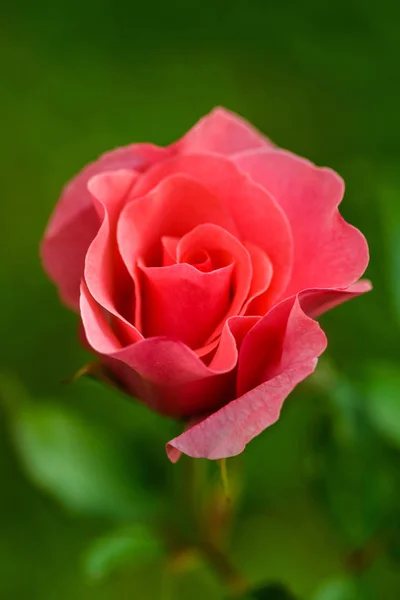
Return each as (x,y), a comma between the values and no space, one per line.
(74,222)
(286,336)
(277,353)
(169,246)
(170,378)
(318,301)
(199,259)
(166,374)
(184,303)
(174,207)
(257,302)
(233,333)
(105,274)
(223,132)
(97,329)
(257,217)
(328,252)
(223,249)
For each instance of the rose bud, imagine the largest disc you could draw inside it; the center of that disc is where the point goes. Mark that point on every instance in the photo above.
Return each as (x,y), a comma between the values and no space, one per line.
(198,271)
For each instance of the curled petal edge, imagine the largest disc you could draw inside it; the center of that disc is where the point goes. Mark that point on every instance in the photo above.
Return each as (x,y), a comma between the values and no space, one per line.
(226,432)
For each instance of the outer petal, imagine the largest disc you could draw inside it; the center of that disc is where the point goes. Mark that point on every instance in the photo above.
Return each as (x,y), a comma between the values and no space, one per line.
(97,332)
(316,302)
(166,374)
(105,274)
(258,218)
(75,222)
(277,353)
(222,132)
(328,252)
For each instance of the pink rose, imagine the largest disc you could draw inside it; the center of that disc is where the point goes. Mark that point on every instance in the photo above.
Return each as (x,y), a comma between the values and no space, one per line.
(198,270)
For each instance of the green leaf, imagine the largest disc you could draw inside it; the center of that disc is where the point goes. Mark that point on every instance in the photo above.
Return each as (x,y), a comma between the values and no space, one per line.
(354,476)
(390,209)
(383,401)
(134,545)
(128,413)
(75,461)
(338,589)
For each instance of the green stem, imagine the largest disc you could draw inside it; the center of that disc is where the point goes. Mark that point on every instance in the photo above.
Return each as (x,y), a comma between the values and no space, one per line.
(224,478)
(215,556)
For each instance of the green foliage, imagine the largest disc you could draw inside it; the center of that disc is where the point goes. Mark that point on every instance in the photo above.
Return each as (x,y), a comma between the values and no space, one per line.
(389,195)
(71,460)
(74,460)
(383,401)
(339,589)
(132,545)
(355,476)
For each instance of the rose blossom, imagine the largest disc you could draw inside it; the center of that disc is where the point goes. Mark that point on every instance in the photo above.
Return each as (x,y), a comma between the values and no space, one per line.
(198,270)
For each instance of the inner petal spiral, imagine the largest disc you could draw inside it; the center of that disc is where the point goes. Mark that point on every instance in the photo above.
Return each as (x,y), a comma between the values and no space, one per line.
(182,302)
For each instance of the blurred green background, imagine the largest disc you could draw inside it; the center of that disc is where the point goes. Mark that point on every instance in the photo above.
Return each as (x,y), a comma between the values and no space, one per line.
(318,500)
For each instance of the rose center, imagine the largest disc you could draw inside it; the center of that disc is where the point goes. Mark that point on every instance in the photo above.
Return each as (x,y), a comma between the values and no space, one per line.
(200,259)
